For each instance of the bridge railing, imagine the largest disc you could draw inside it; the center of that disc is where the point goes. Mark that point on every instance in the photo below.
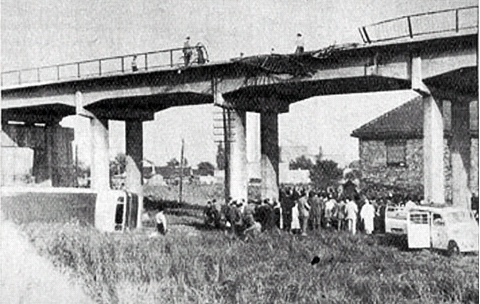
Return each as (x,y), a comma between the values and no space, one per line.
(154,60)
(443,21)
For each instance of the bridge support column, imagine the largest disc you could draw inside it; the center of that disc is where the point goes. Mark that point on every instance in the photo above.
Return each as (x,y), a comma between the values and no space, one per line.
(100,172)
(460,153)
(52,159)
(238,156)
(134,152)
(433,175)
(269,155)
(42,158)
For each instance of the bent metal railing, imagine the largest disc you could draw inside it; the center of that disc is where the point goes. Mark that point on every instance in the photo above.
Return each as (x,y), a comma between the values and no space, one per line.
(442,21)
(123,64)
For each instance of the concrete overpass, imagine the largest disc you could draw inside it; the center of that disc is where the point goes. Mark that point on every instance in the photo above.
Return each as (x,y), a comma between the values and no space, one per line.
(438,66)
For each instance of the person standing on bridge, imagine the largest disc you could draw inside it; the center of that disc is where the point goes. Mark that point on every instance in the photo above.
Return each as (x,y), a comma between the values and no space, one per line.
(187,51)
(134,63)
(300,43)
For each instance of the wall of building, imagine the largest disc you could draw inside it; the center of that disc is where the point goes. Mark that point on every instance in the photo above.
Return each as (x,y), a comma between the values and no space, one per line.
(373,159)
(474,166)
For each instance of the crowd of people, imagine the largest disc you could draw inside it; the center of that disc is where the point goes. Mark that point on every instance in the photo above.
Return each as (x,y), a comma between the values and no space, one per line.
(300,211)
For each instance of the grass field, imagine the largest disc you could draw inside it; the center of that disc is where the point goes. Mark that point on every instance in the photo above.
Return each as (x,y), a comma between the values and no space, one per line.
(191,265)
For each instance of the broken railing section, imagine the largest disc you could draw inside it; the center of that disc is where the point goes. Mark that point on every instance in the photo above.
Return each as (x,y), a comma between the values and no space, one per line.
(442,21)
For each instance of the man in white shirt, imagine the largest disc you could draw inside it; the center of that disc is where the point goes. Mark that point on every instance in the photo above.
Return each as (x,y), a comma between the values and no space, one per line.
(367,214)
(161,221)
(351,210)
(410,204)
(329,209)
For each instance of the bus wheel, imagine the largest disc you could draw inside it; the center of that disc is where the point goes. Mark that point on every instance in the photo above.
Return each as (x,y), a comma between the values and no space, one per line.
(453,249)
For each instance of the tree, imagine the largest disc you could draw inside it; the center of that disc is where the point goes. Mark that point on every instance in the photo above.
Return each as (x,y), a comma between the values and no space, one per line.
(220,157)
(325,173)
(173,163)
(355,164)
(206,168)
(118,165)
(301,163)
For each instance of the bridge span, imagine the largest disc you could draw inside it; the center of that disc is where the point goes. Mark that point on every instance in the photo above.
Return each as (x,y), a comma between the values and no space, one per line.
(439,66)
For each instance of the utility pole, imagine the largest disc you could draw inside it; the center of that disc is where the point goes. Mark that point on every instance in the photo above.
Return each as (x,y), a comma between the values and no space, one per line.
(226,140)
(76,165)
(181,173)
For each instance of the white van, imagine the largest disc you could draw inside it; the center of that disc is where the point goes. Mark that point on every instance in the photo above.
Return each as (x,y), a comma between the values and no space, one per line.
(116,210)
(446,228)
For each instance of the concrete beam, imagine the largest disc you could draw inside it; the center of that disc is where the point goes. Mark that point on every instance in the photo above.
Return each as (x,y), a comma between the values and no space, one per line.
(441,61)
(270,154)
(131,91)
(49,113)
(113,113)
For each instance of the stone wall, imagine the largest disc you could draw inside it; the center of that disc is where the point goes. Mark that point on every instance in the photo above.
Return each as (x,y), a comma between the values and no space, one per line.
(373,158)
(447,171)
(474,166)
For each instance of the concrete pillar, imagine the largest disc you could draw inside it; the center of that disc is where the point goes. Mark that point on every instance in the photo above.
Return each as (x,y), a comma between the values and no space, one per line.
(134,152)
(433,175)
(41,165)
(49,147)
(100,171)
(460,153)
(43,157)
(238,156)
(269,155)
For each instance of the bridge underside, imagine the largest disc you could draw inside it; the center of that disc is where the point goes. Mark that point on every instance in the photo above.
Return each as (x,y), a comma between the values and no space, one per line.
(144,107)
(38,113)
(259,98)
(462,81)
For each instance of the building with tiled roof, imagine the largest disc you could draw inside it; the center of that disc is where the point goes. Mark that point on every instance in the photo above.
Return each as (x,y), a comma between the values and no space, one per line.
(391,147)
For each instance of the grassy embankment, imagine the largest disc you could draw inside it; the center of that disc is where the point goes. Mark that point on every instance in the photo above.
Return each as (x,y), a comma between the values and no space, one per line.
(193,265)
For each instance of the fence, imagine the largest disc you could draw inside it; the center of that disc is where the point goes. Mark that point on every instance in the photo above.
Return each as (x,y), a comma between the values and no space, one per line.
(443,21)
(154,60)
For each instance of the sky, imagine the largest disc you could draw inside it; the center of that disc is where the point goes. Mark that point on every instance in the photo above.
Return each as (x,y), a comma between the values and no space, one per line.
(44,32)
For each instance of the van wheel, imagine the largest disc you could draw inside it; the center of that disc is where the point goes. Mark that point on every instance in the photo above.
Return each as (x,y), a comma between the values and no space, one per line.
(453,249)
